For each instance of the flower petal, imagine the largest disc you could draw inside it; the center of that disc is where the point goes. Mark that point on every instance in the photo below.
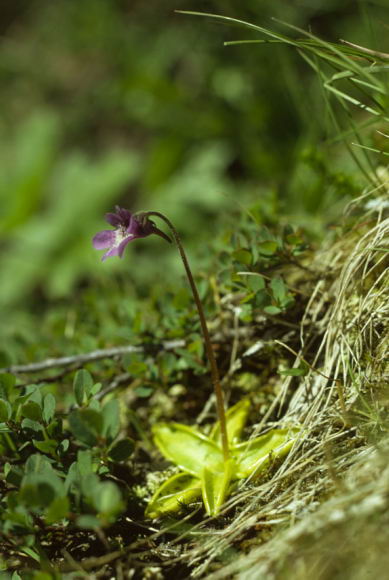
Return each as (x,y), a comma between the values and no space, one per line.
(111,252)
(124,214)
(104,239)
(112,219)
(122,217)
(123,244)
(137,229)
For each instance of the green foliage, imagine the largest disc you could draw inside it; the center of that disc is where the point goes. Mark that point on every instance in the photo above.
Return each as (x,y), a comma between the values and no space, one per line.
(253,138)
(252,259)
(350,79)
(251,151)
(57,471)
(53,182)
(82,386)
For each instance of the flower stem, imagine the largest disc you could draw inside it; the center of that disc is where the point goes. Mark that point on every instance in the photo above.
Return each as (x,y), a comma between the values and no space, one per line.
(204,327)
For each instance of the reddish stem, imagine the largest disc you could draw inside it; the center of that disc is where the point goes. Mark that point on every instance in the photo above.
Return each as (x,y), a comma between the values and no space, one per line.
(204,327)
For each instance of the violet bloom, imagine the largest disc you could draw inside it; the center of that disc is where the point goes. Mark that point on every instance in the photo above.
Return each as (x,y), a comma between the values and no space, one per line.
(128,227)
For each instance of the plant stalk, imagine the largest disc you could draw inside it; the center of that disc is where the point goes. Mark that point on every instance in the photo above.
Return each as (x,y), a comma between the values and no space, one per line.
(207,340)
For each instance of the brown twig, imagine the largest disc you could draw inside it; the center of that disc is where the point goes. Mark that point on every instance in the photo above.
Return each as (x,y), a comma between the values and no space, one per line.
(92,356)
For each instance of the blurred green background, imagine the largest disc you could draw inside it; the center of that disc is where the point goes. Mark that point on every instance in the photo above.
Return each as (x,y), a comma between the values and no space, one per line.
(127,102)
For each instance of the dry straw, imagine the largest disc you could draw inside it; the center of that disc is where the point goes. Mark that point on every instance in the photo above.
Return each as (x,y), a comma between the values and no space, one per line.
(305,519)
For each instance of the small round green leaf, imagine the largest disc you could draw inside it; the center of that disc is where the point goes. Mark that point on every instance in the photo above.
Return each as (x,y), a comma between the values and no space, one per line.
(57,510)
(255,283)
(111,419)
(5,411)
(48,407)
(121,450)
(108,500)
(86,425)
(243,256)
(82,385)
(32,411)
(48,446)
(268,247)
(7,383)
(88,522)
(272,310)
(279,289)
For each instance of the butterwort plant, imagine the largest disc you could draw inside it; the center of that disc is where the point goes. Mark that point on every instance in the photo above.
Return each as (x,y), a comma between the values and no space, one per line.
(129,227)
(208,464)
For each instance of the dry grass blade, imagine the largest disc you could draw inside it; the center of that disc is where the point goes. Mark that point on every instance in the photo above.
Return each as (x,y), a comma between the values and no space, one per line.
(300,513)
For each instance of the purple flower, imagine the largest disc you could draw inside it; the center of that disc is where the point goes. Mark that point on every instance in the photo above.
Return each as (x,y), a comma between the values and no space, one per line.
(128,227)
